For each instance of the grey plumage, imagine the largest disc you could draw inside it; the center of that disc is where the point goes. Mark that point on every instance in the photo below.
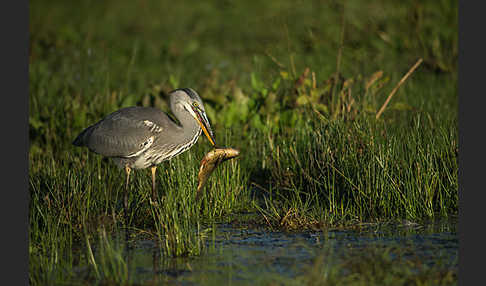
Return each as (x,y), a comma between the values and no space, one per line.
(123,134)
(142,137)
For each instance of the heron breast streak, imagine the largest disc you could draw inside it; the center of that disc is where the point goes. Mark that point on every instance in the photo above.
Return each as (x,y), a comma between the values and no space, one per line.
(143,147)
(153,156)
(183,147)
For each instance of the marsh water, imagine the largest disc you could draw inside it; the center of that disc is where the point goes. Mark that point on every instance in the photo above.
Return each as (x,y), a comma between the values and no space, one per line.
(239,255)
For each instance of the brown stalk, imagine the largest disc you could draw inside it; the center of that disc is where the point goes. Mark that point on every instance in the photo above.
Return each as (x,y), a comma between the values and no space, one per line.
(404,78)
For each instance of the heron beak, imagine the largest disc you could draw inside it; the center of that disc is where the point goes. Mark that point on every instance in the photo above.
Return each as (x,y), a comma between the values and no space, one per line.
(205,126)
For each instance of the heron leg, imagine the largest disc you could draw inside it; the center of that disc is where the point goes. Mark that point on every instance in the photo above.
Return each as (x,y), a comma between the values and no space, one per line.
(125,195)
(154,193)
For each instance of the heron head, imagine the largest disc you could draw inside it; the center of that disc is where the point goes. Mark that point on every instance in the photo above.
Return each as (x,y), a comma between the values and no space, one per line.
(191,101)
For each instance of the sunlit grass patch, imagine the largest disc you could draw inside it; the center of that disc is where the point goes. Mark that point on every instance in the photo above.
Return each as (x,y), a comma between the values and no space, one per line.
(361,171)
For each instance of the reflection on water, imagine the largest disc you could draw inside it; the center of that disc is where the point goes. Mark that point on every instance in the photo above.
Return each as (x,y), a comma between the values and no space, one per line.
(243,254)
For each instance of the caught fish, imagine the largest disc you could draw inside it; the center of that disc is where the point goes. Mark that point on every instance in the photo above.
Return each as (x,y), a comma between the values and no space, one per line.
(209,163)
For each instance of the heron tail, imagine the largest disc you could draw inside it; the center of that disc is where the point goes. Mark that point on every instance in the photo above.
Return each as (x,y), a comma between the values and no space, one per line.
(81,139)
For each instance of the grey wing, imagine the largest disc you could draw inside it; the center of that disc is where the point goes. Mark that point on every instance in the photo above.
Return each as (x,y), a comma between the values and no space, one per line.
(124,133)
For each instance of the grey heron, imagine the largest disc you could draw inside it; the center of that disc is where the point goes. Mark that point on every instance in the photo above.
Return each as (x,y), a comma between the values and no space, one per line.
(141,137)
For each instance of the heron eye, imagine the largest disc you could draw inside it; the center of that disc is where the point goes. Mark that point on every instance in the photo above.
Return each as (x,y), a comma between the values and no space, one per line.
(195,104)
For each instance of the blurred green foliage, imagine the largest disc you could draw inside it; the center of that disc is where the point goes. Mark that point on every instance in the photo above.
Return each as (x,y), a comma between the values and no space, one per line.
(256,64)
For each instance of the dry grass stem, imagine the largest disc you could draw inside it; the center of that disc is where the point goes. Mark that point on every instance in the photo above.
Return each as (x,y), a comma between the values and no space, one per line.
(404,78)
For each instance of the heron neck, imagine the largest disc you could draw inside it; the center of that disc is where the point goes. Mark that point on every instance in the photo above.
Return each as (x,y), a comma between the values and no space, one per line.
(190,129)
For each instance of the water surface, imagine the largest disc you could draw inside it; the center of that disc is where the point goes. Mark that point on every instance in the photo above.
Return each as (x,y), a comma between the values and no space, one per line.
(243,255)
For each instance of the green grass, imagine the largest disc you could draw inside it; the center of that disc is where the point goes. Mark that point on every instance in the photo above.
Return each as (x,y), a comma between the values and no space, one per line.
(363,171)
(294,85)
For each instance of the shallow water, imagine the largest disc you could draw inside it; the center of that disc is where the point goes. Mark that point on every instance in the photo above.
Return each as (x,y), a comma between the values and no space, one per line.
(238,255)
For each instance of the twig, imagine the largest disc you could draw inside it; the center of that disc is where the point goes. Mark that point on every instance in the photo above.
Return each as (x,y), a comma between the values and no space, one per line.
(314,80)
(279,64)
(338,59)
(259,187)
(404,78)
(341,44)
(317,112)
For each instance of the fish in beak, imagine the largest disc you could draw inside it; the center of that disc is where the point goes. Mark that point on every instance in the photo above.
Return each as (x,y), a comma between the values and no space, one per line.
(203,121)
(209,163)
